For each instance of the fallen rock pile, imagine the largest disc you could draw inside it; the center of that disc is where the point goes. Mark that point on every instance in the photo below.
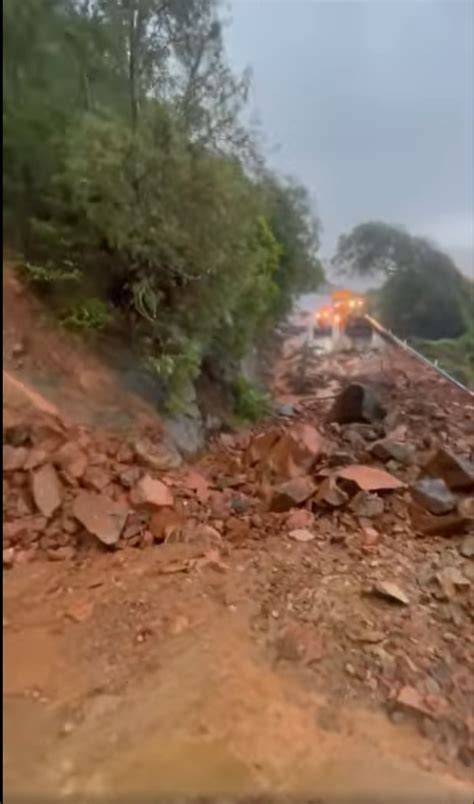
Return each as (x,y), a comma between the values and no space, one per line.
(68,487)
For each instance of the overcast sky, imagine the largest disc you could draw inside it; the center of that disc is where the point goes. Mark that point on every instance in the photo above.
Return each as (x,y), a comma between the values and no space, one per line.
(371,105)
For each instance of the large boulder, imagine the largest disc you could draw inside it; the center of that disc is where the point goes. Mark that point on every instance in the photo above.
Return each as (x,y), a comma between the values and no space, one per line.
(357,403)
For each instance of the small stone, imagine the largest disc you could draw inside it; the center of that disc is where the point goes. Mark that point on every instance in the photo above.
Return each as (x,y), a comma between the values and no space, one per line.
(285,409)
(151,493)
(397,717)
(294,492)
(71,459)
(428,728)
(457,472)
(367,505)
(410,698)
(467,547)
(387,450)
(129,477)
(466,508)
(390,591)
(46,489)
(331,494)
(65,553)
(18,350)
(8,557)
(300,518)
(434,495)
(451,579)
(161,457)
(239,505)
(67,728)
(301,535)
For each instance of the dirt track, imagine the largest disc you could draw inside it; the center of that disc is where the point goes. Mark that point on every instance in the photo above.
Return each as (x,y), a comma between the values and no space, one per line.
(164,670)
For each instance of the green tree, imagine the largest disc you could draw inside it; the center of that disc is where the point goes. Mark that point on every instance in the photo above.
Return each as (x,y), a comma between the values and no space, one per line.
(423,294)
(127,166)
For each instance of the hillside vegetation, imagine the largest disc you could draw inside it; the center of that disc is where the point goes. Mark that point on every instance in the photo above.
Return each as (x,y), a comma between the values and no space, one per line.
(135,195)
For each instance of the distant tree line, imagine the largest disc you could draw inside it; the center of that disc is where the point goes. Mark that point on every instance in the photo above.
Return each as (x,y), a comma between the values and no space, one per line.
(423,294)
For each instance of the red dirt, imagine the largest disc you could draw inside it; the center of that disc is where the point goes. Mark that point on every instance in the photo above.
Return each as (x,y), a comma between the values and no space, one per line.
(222,655)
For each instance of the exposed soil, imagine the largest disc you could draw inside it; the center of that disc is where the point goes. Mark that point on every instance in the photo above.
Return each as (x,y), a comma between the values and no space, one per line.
(209,649)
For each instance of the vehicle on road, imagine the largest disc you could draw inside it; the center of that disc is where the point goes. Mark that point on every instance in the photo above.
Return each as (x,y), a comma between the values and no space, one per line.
(323,321)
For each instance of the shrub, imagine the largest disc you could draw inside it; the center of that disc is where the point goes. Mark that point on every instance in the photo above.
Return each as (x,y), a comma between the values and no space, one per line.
(250,403)
(91,315)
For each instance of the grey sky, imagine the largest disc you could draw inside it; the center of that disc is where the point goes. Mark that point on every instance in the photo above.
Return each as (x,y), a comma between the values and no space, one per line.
(370,104)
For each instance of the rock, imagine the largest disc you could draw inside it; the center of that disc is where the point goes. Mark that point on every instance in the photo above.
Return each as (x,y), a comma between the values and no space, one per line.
(186,432)
(457,472)
(428,524)
(369,478)
(285,409)
(367,505)
(369,635)
(36,457)
(71,459)
(239,505)
(129,477)
(299,519)
(46,489)
(198,484)
(340,458)
(355,441)
(151,493)
(450,580)
(65,553)
(260,446)
(292,493)
(410,698)
(163,457)
(18,350)
(331,494)
(387,450)
(434,495)
(14,458)
(295,452)
(100,516)
(96,478)
(466,508)
(357,403)
(467,547)
(8,557)
(301,535)
(390,591)
(166,523)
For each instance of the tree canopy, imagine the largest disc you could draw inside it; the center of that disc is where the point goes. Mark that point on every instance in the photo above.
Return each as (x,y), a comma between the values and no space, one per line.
(127,165)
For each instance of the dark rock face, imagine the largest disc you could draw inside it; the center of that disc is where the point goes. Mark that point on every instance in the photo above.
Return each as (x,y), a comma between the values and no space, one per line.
(357,403)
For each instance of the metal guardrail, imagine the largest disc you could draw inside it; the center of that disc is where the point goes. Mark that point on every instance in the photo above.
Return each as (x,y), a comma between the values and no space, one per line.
(385,333)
